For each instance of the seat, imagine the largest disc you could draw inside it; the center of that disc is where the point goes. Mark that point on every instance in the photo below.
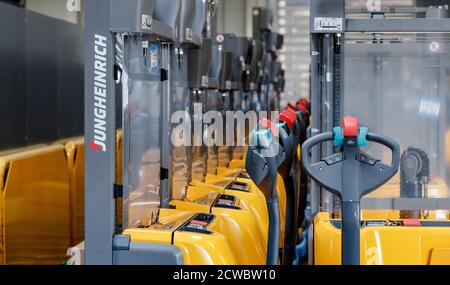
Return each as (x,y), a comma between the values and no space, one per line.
(35,217)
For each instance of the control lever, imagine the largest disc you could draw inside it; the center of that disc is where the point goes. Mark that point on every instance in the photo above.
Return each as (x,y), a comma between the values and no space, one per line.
(350,174)
(280,130)
(264,157)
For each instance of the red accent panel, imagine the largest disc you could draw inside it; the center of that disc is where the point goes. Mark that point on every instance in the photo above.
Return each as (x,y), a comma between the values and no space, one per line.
(286,117)
(303,106)
(293,113)
(411,223)
(350,126)
(304,110)
(267,124)
(304,102)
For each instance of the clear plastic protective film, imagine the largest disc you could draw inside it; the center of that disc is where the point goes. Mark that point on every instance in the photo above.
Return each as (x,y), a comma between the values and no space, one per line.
(212,150)
(181,154)
(224,151)
(274,98)
(199,151)
(238,104)
(141,119)
(398,86)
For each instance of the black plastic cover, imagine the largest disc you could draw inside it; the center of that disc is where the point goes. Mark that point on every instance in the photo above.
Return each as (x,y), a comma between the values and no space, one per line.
(198,224)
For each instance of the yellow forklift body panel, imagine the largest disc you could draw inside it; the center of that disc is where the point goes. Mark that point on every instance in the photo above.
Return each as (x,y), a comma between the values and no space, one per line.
(253,200)
(239,226)
(383,245)
(264,223)
(440,256)
(228,171)
(244,236)
(197,248)
(201,249)
(169,221)
(237,163)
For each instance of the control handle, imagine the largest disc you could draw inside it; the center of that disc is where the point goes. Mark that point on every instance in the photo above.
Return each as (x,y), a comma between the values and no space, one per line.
(370,173)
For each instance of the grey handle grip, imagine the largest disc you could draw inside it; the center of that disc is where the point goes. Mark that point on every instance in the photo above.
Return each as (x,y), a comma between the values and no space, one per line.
(309,144)
(330,176)
(389,143)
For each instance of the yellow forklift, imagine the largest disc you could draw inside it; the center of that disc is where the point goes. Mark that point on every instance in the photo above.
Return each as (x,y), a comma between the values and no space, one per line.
(202,83)
(247,60)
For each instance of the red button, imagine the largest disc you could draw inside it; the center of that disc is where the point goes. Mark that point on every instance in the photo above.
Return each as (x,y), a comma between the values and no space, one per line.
(267,124)
(350,126)
(411,223)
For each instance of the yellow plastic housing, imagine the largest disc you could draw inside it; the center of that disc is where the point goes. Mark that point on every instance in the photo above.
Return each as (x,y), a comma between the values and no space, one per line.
(396,245)
(237,163)
(440,256)
(197,248)
(228,171)
(253,200)
(227,174)
(243,233)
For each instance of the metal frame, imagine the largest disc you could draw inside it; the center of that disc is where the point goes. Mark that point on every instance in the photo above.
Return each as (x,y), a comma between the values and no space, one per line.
(102,246)
(399,203)
(99,165)
(167,52)
(113,19)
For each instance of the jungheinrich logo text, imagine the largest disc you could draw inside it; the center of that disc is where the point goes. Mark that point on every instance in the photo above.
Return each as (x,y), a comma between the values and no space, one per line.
(100,93)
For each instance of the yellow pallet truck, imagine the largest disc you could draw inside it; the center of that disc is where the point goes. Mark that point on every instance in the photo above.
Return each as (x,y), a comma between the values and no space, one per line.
(352,174)
(287,182)
(215,238)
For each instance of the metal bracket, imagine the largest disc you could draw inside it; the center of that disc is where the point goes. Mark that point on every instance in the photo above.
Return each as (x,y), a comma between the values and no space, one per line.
(164,75)
(118,191)
(164,174)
